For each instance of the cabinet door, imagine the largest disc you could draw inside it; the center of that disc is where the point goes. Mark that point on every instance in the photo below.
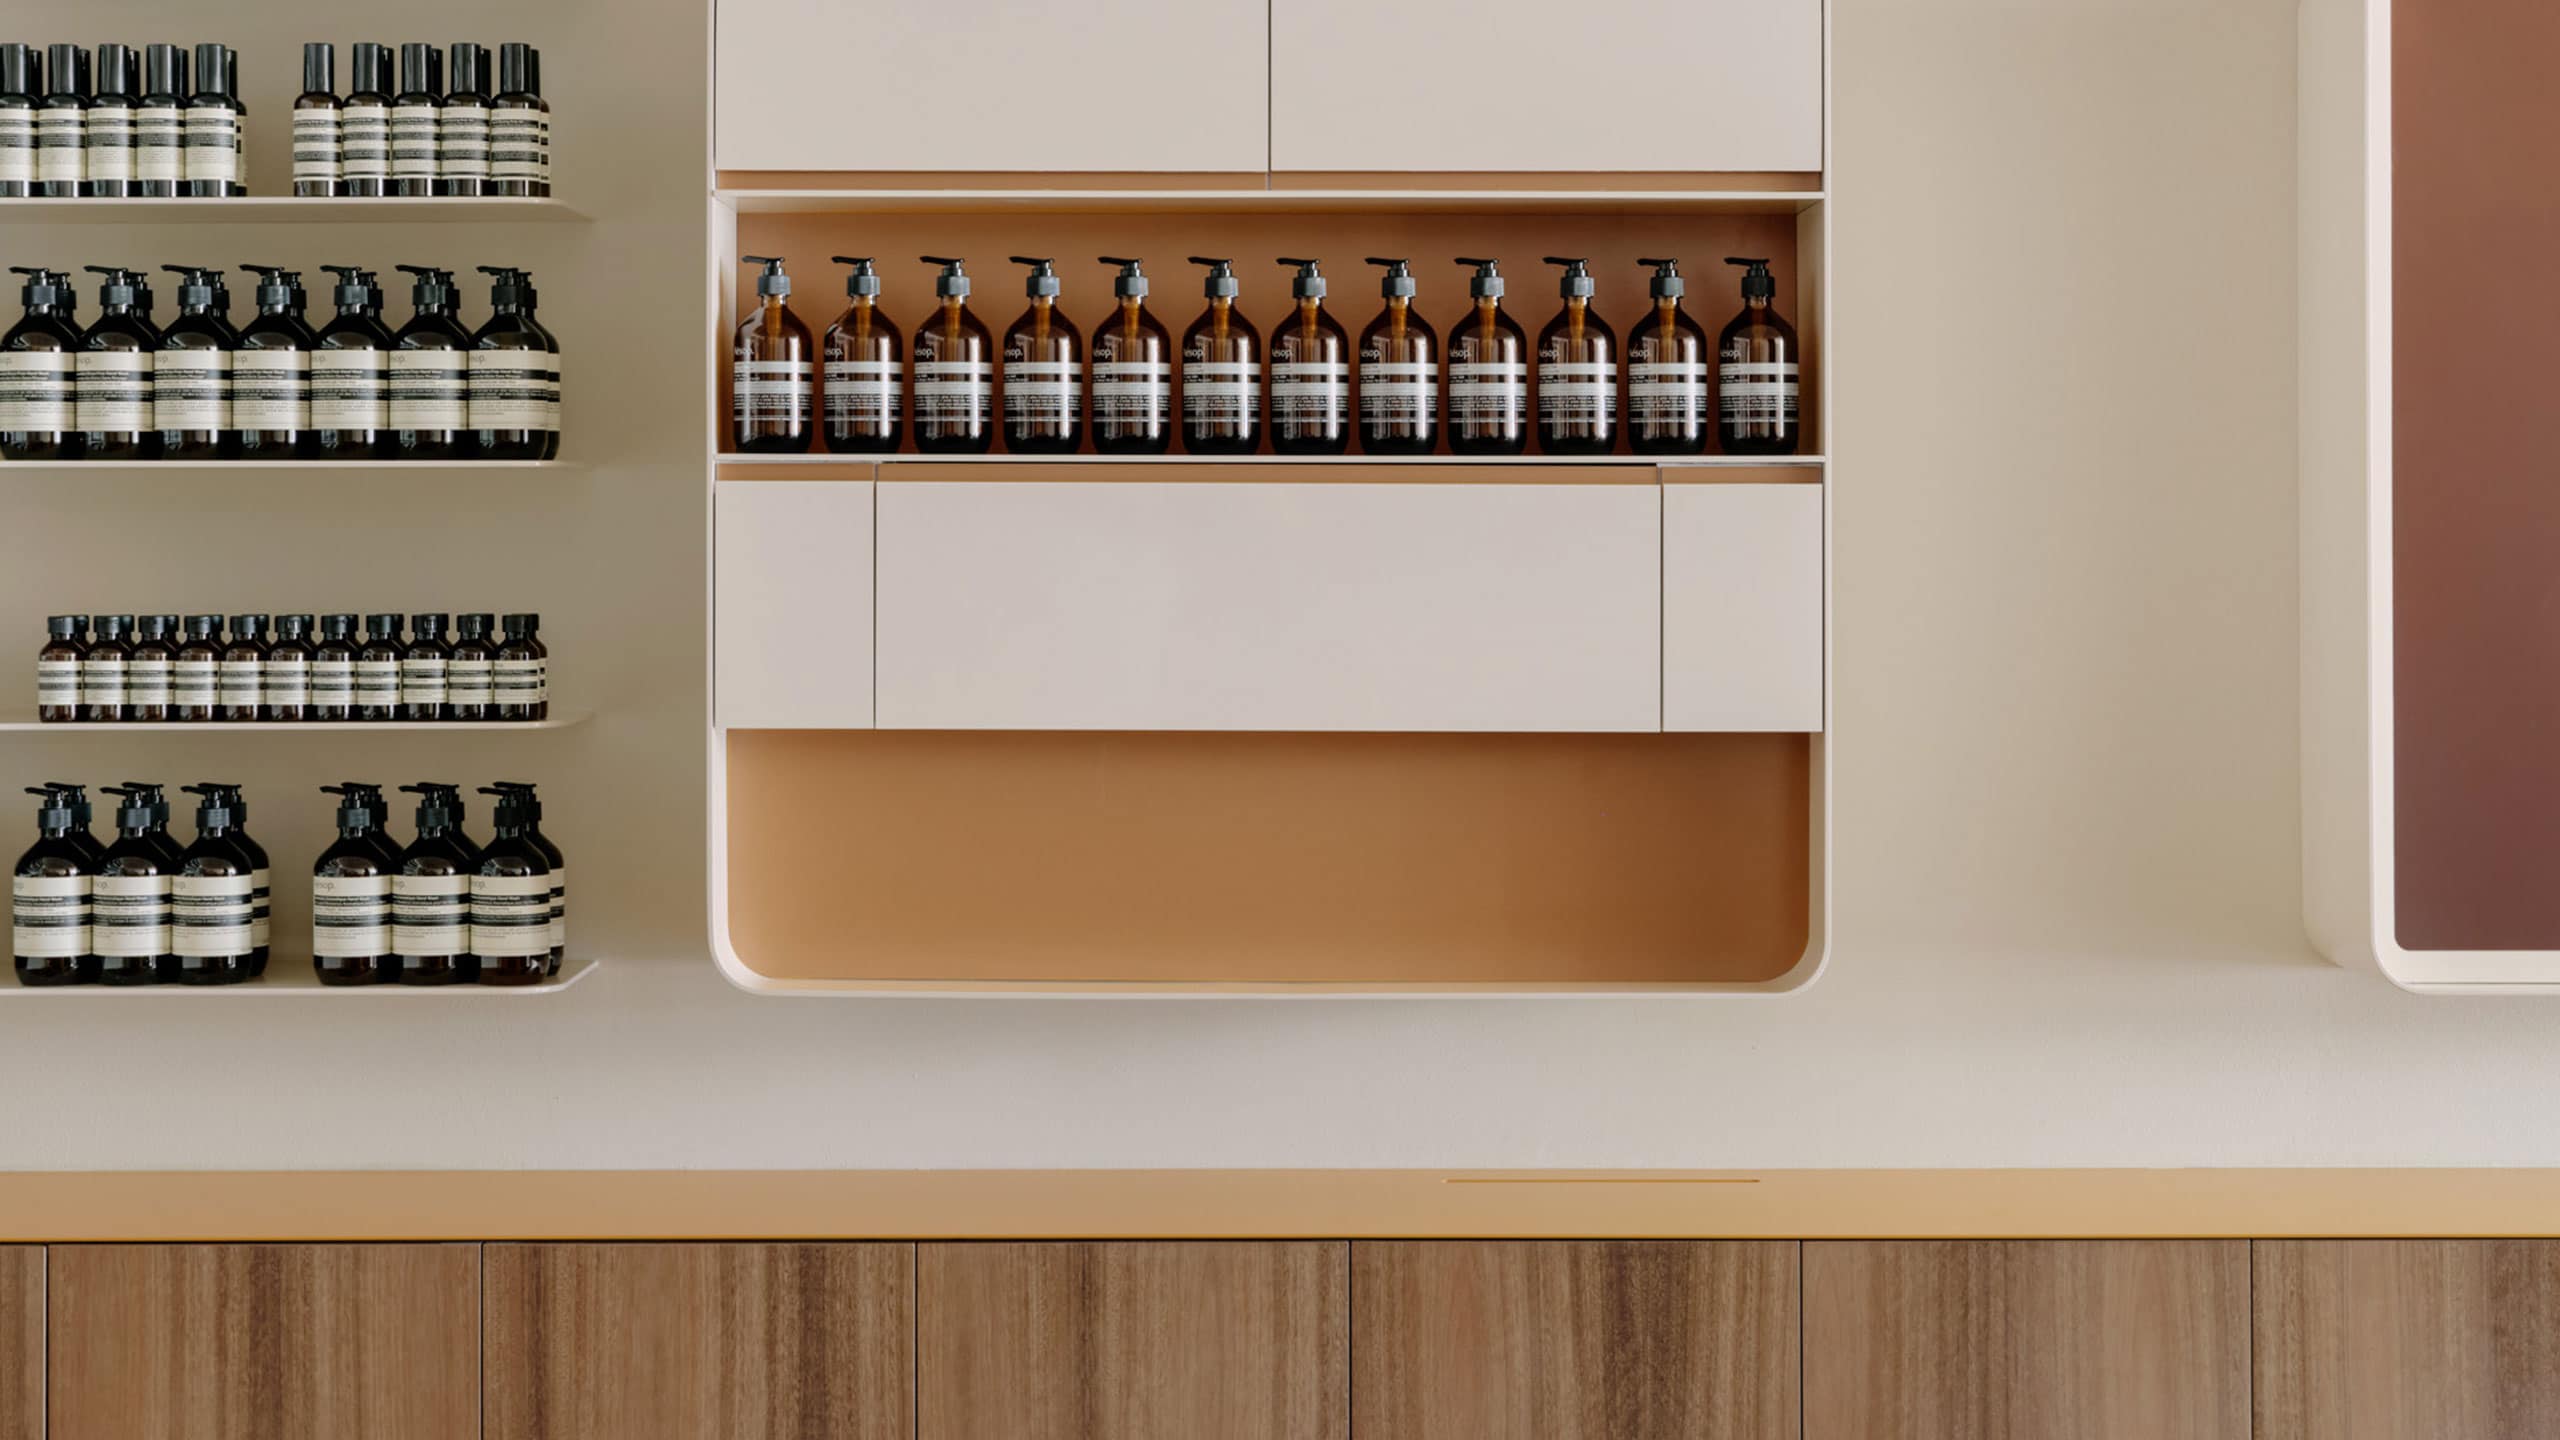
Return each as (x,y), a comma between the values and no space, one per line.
(1741,606)
(1194,601)
(1137,1341)
(1014,85)
(21,1342)
(677,1342)
(2407,1339)
(791,604)
(2018,1340)
(1677,1340)
(1672,85)
(264,1342)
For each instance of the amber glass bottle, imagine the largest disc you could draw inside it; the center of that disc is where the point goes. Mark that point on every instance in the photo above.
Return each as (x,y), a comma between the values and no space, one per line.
(1667,410)
(333,670)
(129,900)
(287,687)
(105,672)
(1310,372)
(49,899)
(1221,371)
(241,681)
(213,899)
(112,373)
(1577,371)
(351,895)
(954,374)
(863,364)
(37,356)
(1488,371)
(1132,370)
(1756,371)
(511,899)
(1043,370)
(151,675)
(431,373)
(431,894)
(195,679)
(58,668)
(1399,371)
(378,670)
(772,374)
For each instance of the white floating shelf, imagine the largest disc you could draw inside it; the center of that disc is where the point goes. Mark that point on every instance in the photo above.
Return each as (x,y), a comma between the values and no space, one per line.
(858,202)
(283,209)
(1445,461)
(292,976)
(20,721)
(423,469)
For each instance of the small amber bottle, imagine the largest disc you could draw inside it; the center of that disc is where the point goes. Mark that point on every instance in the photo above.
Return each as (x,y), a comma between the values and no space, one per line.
(196,678)
(333,671)
(1399,371)
(523,671)
(772,374)
(240,683)
(863,367)
(150,677)
(1132,370)
(1488,371)
(58,668)
(425,669)
(288,672)
(1221,371)
(1757,371)
(1577,371)
(378,670)
(471,675)
(105,670)
(1043,370)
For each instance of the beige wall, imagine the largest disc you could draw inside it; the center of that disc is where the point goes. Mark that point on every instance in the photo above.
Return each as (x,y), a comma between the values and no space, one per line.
(2067,899)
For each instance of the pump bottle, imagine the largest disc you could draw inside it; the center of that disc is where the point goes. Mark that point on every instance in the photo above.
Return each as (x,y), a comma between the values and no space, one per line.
(1667,411)
(471,674)
(863,363)
(195,677)
(462,127)
(109,146)
(333,671)
(1399,371)
(211,900)
(58,669)
(413,121)
(1310,372)
(515,374)
(151,672)
(261,921)
(213,126)
(530,806)
(21,92)
(111,377)
(1488,371)
(431,894)
(49,900)
(62,123)
(378,670)
(351,374)
(160,124)
(511,900)
(1577,371)
(106,670)
(430,375)
(1221,371)
(519,126)
(37,356)
(351,894)
(271,372)
(191,373)
(364,123)
(130,897)
(1132,370)
(241,680)
(286,681)
(1756,371)
(954,378)
(1043,370)
(521,674)
(770,372)
(318,151)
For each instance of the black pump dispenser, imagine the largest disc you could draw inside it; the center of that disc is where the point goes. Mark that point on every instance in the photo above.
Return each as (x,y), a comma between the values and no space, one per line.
(864,280)
(1308,284)
(954,279)
(1486,283)
(1042,282)
(434,288)
(1397,283)
(121,289)
(1666,283)
(1131,282)
(1576,282)
(1220,283)
(1757,283)
(772,281)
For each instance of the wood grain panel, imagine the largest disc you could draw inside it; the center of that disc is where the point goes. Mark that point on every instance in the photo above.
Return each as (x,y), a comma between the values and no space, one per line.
(677,1342)
(2027,1340)
(264,1342)
(1628,1340)
(21,1342)
(2407,1339)
(1145,1341)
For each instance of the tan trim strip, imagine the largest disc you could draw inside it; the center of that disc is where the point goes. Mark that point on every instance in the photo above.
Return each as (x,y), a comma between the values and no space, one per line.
(847,470)
(1674,474)
(1172,1204)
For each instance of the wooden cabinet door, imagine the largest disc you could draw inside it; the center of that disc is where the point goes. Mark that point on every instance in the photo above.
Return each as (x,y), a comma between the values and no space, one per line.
(2407,1339)
(1098,85)
(263,1342)
(2021,1340)
(21,1342)
(1535,1340)
(679,1342)
(1138,1341)
(1674,85)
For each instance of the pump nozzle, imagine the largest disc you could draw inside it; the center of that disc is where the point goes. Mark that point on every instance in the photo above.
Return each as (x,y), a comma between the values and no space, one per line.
(864,280)
(214,810)
(1667,283)
(43,287)
(509,285)
(121,287)
(772,281)
(1043,279)
(953,280)
(1309,283)
(1221,282)
(197,284)
(1757,284)
(1577,279)
(434,289)
(1486,283)
(1398,281)
(1131,282)
(438,805)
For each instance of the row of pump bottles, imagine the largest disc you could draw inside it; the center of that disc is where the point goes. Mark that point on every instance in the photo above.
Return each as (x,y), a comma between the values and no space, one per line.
(1679,396)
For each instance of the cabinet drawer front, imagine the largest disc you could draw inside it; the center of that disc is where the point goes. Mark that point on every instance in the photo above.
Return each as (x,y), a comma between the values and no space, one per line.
(791,593)
(1742,607)
(1719,85)
(1075,605)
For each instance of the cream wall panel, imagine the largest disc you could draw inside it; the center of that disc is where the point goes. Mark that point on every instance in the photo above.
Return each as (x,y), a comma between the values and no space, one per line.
(991,85)
(1688,85)
(791,569)
(1283,606)
(1742,607)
